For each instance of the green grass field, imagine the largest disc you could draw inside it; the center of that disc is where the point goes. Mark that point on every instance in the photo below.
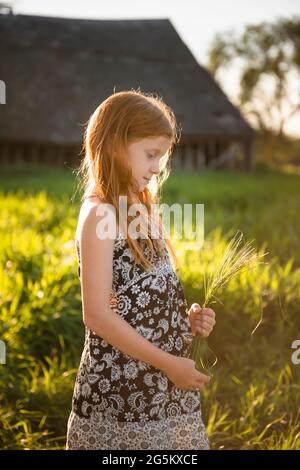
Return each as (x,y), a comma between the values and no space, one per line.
(252,401)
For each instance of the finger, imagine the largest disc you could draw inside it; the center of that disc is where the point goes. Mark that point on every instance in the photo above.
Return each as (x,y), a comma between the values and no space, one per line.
(204,379)
(204,327)
(200,321)
(204,334)
(203,316)
(198,387)
(208,316)
(208,312)
(195,307)
(201,325)
(207,324)
(203,331)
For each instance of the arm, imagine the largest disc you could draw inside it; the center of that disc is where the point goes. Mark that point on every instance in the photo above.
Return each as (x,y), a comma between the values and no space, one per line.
(96,282)
(116,331)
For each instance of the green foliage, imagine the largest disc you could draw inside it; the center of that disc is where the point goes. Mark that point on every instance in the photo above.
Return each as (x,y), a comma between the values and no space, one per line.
(265,58)
(252,402)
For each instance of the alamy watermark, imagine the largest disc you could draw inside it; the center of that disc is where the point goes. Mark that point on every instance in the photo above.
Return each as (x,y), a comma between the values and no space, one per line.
(296,354)
(2,92)
(188,222)
(2,352)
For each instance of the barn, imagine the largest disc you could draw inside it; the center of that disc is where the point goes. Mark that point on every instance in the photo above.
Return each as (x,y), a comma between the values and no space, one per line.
(55,71)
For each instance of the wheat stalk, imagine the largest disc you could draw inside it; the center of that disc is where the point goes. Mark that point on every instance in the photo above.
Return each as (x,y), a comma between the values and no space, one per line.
(235,258)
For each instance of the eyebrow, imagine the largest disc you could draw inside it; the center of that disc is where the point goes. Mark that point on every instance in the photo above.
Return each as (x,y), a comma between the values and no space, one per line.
(155,150)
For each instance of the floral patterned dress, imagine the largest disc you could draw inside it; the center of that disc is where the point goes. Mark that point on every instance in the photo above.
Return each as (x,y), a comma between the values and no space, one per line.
(120,402)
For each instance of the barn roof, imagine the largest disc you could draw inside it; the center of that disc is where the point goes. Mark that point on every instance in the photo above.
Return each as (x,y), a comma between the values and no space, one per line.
(58,70)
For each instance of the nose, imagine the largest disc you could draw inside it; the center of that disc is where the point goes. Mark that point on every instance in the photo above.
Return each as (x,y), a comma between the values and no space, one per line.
(155,169)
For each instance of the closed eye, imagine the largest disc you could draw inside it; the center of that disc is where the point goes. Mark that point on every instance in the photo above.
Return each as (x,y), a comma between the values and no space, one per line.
(151,156)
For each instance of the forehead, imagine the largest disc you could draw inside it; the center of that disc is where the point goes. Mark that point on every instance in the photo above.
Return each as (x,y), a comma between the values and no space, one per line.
(160,144)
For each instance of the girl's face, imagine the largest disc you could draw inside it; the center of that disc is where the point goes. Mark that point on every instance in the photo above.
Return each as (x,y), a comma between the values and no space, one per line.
(145,157)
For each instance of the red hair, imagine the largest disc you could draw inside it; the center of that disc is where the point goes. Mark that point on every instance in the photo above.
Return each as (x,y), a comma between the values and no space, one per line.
(121,119)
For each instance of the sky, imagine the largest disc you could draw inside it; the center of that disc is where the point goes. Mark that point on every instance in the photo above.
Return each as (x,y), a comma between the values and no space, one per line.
(196,21)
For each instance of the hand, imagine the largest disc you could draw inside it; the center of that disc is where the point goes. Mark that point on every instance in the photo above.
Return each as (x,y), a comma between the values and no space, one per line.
(202,320)
(183,373)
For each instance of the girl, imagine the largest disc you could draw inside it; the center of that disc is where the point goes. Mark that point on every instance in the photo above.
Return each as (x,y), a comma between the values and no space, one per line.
(134,388)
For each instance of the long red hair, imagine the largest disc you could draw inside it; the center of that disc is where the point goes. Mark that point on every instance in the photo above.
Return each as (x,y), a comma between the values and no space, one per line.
(122,118)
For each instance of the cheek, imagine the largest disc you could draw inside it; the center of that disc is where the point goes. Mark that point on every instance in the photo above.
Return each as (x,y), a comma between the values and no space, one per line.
(134,166)
(138,171)
(140,164)
(141,167)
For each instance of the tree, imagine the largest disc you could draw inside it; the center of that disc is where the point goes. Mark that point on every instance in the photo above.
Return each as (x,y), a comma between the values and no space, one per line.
(268,58)
(6,7)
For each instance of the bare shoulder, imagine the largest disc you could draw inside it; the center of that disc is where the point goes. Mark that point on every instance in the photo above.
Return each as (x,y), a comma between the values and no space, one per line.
(92,212)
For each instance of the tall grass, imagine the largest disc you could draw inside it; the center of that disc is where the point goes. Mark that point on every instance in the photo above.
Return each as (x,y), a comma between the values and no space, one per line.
(253,400)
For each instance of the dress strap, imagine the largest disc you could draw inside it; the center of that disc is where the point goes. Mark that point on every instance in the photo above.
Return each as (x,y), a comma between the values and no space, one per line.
(91,195)
(78,255)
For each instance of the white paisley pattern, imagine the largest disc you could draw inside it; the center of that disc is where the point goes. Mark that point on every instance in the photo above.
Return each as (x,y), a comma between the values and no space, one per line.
(120,402)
